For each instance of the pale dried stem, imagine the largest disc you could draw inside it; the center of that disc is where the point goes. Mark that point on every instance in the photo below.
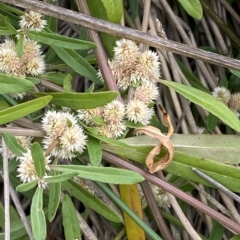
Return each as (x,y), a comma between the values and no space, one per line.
(51,86)
(207,218)
(167,75)
(51,147)
(230,10)
(20,211)
(146,13)
(28,123)
(207,33)
(211,199)
(188,227)
(6,191)
(23,132)
(183,34)
(230,206)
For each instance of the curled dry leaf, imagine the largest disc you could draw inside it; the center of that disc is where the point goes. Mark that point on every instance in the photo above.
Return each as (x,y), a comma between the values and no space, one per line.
(164,141)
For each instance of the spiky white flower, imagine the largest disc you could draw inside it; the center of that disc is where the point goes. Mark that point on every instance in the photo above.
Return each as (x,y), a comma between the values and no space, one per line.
(32,21)
(222,94)
(18,96)
(159,195)
(35,66)
(234,102)
(87,115)
(138,112)
(125,52)
(146,92)
(27,171)
(71,142)
(112,130)
(113,112)
(31,48)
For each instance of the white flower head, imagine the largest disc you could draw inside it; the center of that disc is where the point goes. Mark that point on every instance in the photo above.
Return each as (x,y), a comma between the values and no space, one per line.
(146,92)
(32,21)
(113,112)
(87,115)
(222,94)
(35,66)
(31,48)
(138,112)
(71,142)
(56,123)
(27,171)
(125,52)
(18,96)
(112,130)
(234,102)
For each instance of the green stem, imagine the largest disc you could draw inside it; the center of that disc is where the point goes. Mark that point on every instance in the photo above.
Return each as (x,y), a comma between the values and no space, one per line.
(129,211)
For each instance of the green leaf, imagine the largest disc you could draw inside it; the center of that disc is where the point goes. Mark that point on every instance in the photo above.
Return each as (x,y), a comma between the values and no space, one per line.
(77,63)
(3,105)
(23,109)
(38,159)
(212,122)
(67,83)
(80,100)
(38,220)
(60,177)
(206,101)
(134,4)
(55,77)
(217,231)
(54,197)
(99,121)
(5,31)
(20,46)
(13,144)
(10,84)
(94,151)
(235,72)
(237,237)
(70,220)
(56,40)
(24,187)
(102,174)
(91,201)
(192,79)
(192,7)
(222,149)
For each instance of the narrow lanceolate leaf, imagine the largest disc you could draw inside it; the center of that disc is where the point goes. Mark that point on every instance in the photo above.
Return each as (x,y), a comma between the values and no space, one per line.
(77,63)
(13,144)
(24,187)
(102,174)
(38,159)
(193,8)
(80,100)
(54,190)
(60,177)
(67,83)
(130,196)
(206,101)
(38,220)
(10,84)
(70,220)
(94,151)
(23,109)
(53,39)
(91,201)
(20,46)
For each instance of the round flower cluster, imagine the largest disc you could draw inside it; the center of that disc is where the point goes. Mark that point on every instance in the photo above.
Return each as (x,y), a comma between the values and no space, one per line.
(231,100)
(111,114)
(32,61)
(27,171)
(132,68)
(63,128)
